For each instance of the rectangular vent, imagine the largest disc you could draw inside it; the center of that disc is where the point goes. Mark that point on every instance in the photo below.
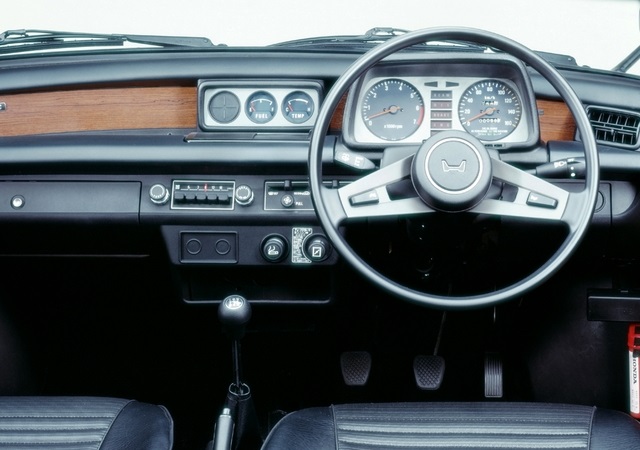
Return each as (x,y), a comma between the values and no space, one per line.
(614,127)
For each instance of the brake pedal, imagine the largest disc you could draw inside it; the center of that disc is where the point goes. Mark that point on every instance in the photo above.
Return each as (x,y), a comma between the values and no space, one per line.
(356,367)
(493,375)
(428,371)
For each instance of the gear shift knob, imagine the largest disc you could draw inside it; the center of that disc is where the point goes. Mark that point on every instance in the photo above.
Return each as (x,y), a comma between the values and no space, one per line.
(234,313)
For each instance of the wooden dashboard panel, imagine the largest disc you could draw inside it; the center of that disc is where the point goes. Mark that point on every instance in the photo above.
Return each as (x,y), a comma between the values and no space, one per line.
(126,108)
(147,107)
(556,121)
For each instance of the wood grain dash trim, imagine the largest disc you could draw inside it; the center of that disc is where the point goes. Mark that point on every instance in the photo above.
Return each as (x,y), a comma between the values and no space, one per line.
(556,121)
(148,107)
(100,109)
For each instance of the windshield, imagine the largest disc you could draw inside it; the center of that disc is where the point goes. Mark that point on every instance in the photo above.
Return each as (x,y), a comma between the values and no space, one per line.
(597,33)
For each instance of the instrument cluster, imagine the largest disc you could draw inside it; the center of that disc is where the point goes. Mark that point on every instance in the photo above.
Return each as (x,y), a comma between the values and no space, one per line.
(406,104)
(269,105)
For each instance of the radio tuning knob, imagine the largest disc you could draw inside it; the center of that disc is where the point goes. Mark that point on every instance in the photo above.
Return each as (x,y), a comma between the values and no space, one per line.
(244,195)
(159,194)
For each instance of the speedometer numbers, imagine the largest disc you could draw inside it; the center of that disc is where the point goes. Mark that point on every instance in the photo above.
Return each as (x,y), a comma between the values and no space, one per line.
(392,109)
(490,110)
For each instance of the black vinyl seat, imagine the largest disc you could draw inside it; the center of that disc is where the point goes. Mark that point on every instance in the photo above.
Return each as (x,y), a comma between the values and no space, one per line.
(83,423)
(455,426)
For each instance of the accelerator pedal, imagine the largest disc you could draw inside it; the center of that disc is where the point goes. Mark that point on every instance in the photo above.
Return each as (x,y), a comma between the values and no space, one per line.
(428,371)
(356,367)
(493,384)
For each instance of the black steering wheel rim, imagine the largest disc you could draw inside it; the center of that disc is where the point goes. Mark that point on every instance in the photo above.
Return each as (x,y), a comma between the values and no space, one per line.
(583,212)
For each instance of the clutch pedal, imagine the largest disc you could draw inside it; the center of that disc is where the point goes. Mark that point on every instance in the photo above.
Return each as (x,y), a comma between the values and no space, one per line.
(356,367)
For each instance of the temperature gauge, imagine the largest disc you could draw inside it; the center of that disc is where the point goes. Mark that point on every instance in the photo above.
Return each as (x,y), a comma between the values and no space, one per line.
(298,107)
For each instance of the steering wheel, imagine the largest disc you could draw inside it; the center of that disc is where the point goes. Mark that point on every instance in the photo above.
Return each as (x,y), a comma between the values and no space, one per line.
(437,184)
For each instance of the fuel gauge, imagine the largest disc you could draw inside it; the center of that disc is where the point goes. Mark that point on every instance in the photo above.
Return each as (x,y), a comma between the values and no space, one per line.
(261,107)
(298,107)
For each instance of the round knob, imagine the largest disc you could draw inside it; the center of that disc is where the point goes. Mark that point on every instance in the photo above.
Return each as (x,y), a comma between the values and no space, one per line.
(274,248)
(287,200)
(244,195)
(234,313)
(316,247)
(159,194)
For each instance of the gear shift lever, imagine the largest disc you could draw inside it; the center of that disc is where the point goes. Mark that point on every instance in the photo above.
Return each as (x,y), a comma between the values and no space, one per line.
(238,422)
(234,314)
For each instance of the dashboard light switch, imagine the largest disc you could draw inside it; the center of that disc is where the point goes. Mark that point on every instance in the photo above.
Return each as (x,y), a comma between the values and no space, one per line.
(17,202)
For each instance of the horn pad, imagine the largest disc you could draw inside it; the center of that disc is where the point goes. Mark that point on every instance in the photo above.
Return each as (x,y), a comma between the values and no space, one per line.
(452,171)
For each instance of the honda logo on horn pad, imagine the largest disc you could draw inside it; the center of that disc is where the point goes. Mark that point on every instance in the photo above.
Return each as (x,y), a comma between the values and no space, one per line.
(446,167)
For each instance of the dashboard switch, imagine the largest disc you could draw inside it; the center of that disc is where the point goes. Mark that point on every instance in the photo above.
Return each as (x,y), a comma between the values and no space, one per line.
(159,194)
(17,202)
(353,160)
(287,200)
(317,248)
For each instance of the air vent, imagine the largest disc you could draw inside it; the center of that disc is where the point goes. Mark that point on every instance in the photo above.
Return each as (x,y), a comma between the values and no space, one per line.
(615,127)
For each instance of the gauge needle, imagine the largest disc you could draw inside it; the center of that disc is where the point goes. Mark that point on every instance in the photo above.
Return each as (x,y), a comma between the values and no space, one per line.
(484,113)
(392,110)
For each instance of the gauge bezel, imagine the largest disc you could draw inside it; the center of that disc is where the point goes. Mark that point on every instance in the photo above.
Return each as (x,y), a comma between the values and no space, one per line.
(210,106)
(468,69)
(379,120)
(283,107)
(243,89)
(274,106)
(469,129)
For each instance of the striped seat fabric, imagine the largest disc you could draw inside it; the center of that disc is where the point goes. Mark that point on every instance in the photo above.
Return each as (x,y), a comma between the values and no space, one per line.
(466,426)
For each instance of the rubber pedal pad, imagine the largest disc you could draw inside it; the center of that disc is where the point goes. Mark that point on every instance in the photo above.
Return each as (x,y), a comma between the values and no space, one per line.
(428,371)
(493,384)
(356,368)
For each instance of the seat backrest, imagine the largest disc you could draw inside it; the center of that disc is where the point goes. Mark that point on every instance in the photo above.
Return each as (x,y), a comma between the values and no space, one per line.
(455,425)
(83,423)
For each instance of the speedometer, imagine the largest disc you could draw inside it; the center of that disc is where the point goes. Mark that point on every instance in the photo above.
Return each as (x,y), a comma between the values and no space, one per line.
(392,109)
(490,110)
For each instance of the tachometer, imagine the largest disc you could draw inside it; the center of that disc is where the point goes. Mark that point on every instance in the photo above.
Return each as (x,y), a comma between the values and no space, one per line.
(490,110)
(392,109)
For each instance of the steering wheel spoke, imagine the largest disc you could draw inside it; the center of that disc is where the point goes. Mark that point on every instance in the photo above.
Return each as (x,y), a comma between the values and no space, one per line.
(369,197)
(535,198)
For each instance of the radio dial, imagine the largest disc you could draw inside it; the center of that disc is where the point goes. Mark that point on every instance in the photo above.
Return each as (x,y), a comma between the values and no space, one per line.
(159,194)
(244,195)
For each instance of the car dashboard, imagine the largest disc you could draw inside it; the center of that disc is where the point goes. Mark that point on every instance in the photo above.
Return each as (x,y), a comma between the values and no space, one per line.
(163,182)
